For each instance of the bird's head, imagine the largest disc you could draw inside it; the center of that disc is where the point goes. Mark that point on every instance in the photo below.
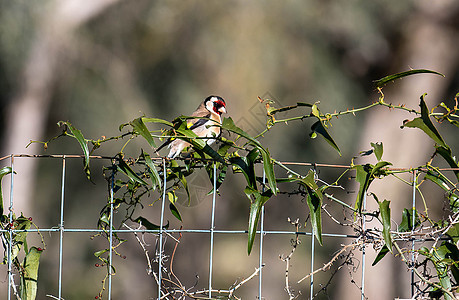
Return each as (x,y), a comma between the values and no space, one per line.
(215,104)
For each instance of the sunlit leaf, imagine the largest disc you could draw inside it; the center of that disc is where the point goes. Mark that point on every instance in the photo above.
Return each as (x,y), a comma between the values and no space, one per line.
(425,124)
(363,178)
(172,199)
(384,209)
(83,144)
(154,175)
(156,120)
(124,168)
(100,252)
(140,128)
(268,167)
(315,111)
(314,200)
(365,174)
(453,233)
(383,81)
(29,279)
(258,200)
(19,238)
(378,149)
(4,171)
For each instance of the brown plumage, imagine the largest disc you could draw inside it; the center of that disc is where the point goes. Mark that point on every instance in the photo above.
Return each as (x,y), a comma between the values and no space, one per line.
(210,109)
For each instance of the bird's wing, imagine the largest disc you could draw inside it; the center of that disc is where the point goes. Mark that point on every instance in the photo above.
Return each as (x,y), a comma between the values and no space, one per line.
(199,122)
(167,142)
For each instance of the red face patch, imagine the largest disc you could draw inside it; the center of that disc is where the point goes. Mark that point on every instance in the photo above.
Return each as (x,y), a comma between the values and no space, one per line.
(217,105)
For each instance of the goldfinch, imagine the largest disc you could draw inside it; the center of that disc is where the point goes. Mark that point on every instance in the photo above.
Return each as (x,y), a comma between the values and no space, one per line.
(210,110)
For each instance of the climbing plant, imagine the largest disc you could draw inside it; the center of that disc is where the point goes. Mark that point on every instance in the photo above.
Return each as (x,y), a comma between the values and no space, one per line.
(135,178)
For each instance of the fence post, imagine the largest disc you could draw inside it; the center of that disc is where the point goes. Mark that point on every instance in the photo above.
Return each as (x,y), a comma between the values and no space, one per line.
(110,253)
(260,262)
(61,229)
(212,225)
(412,231)
(10,232)
(160,259)
(364,228)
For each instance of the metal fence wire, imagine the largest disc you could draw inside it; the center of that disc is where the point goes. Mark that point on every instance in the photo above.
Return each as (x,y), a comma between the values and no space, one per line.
(56,271)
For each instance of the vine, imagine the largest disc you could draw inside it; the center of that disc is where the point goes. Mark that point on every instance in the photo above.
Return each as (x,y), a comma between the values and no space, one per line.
(136,178)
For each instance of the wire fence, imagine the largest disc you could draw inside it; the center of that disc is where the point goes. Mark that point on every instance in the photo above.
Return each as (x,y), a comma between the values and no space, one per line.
(65,234)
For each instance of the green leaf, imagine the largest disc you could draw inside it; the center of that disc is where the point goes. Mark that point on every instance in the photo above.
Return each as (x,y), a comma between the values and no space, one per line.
(378,149)
(442,182)
(314,200)
(268,167)
(172,199)
(365,174)
(19,238)
(448,157)
(177,172)
(229,125)
(221,174)
(140,128)
(425,124)
(154,175)
(377,169)
(364,179)
(453,233)
(384,250)
(246,165)
(29,279)
(100,252)
(385,218)
(407,220)
(148,225)
(320,128)
(83,144)
(258,200)
(156,120)
(124,168)
(315,110)
(4,171)
(438,258)
(381,82)
(453,254)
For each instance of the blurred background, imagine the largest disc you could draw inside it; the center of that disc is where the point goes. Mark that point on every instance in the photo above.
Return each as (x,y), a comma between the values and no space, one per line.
(102,63)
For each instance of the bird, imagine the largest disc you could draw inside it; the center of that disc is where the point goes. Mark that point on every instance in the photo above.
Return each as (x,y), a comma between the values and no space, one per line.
(210,110)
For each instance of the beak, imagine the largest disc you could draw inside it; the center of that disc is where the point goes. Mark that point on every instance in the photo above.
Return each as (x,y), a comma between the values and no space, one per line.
(222,110)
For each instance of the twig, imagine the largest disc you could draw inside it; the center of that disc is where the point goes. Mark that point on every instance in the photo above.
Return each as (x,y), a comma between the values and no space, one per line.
(231,291)
(286,259)
(150,268)
(335,258)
